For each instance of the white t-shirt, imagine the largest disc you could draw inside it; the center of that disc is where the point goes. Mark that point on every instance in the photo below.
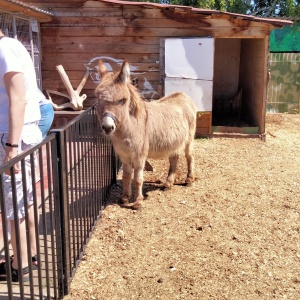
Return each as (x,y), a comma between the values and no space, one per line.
(15,58)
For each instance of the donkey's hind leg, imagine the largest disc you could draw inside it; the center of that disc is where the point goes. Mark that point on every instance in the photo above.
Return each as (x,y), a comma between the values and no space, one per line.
(127,177)
(190,164)
(172,171)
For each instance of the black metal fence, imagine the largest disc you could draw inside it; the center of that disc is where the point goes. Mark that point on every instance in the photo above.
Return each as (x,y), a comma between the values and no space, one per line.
(72,172)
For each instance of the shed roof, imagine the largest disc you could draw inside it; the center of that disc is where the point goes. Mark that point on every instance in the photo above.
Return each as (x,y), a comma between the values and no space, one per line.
(273,22)
(26,9)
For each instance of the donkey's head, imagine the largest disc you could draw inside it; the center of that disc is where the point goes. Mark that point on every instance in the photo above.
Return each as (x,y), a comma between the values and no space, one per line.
(116,98)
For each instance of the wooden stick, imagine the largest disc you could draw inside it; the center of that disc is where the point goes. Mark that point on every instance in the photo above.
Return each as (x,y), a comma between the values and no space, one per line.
(83,81)
(76,100)
(55,106)
(57,93)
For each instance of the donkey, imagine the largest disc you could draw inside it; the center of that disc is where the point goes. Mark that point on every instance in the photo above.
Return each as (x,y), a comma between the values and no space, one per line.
(139,130)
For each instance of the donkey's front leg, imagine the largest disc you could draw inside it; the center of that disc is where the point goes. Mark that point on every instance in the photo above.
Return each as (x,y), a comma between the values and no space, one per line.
(127,177)
(138,182)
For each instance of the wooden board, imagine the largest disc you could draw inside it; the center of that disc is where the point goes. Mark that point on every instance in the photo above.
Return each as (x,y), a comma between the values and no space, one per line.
(203,124)
(226,31)
(235,130)
(62,118)
(15,8)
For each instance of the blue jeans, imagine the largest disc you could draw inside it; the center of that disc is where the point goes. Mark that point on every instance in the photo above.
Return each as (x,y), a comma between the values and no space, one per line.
(47,116)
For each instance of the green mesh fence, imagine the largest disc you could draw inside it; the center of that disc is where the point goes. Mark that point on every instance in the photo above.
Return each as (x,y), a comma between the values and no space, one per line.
(284,85)
(286,39)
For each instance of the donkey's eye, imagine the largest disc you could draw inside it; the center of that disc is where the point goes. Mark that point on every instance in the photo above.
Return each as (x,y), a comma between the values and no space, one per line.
(121,101)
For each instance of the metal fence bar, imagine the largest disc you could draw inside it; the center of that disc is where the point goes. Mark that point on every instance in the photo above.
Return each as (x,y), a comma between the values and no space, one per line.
(79,151)
(89,190)
(55,219)
(36,226)
(77,192)
(5,236)
(52,169)
(83,182)
(72,176)
(64,209)
(44,222)
(16,223)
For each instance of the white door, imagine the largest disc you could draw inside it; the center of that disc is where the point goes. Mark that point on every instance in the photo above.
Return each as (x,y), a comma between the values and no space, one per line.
(189,64)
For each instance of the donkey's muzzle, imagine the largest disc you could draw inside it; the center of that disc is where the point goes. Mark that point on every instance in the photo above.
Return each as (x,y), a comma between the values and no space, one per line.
(108,129)
(108,123)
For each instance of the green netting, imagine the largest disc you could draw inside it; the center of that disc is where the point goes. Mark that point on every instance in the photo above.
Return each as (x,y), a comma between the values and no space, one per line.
(286,39)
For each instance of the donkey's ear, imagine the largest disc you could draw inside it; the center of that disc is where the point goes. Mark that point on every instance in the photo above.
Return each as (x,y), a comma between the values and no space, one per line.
(101,69)
(124,75)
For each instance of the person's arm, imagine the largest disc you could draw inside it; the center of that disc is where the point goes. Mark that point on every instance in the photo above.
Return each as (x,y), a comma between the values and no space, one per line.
(15,88)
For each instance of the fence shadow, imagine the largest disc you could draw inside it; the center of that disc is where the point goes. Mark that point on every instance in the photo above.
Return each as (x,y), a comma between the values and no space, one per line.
(115,192)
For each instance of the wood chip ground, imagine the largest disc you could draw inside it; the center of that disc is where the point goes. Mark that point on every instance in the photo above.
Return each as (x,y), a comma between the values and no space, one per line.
(234,235)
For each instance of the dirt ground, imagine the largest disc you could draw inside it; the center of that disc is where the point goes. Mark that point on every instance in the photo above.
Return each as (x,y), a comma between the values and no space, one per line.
(235,234)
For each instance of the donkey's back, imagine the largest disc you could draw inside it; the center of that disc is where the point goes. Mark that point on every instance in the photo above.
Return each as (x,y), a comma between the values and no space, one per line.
(171,125)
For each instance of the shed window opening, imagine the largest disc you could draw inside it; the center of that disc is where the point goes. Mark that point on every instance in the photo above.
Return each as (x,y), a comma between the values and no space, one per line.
(26,31)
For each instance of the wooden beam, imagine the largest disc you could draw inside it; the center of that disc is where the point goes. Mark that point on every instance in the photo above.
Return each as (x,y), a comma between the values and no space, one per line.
(25,11)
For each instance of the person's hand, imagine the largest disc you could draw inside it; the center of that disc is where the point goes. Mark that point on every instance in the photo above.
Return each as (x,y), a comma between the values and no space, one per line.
(10,154)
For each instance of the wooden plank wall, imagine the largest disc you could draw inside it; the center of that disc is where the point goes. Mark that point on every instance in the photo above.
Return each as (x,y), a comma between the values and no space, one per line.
(83,30)
(226,68)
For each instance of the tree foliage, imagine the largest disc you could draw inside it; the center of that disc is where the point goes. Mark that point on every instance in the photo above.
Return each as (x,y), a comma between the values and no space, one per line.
(262,8)
(277,8)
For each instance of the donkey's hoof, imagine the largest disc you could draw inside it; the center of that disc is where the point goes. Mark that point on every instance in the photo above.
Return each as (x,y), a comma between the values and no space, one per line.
(189,182)
(167,186)
(133,206)
(125,201)
(136,206)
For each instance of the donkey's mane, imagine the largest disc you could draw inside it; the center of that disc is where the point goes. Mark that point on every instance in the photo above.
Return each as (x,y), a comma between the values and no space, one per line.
(136,99)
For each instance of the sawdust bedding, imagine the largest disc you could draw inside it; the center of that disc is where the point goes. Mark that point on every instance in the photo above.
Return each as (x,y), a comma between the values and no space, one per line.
(235,234)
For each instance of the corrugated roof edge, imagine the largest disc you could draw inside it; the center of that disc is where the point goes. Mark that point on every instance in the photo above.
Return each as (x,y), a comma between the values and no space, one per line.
(20,3)
(272,21)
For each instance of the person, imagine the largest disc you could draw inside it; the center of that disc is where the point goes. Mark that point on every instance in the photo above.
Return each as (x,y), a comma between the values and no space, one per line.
(19,118)
(47,115)
(45,123)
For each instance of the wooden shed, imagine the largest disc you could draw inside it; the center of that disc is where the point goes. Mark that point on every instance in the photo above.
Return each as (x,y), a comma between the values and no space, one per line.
(219,58)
